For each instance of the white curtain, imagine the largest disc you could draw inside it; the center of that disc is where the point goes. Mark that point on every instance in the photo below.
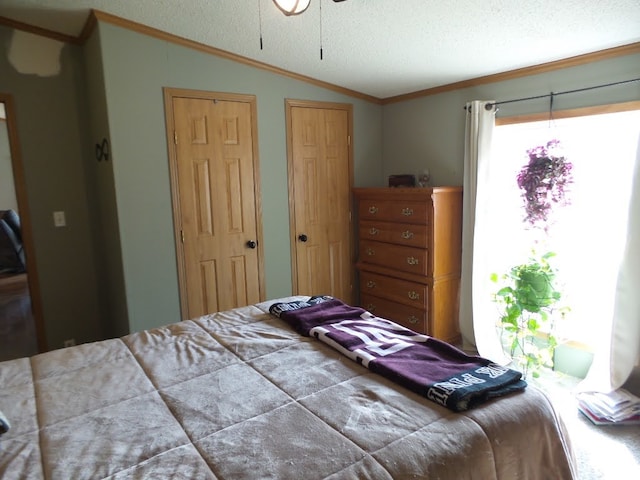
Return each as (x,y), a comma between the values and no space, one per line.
(477,328)
(615,360)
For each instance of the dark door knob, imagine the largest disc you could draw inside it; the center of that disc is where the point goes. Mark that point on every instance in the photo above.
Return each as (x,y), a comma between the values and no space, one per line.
(251,244)
(302,237)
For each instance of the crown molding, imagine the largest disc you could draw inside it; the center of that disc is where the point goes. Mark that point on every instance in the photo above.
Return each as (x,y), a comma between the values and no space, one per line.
(162,35)
(43,32)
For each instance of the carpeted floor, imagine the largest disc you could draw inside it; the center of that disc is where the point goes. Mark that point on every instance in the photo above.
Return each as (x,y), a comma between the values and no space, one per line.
(601,451)
(17,327)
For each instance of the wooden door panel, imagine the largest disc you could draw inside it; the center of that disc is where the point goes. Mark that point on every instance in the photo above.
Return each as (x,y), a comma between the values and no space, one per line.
(311,205)
(336,266)
(239,271)
(233,196)
(202,196)
(337,199)
(198,131)
(230,132)
(321,201)
(314,263)
(206,298)
(216,184)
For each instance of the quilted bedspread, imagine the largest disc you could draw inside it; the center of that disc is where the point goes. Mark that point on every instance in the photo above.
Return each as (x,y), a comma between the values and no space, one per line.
(241,395)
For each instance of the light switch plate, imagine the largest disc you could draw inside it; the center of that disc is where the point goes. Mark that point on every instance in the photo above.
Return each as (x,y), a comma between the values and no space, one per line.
(59,219)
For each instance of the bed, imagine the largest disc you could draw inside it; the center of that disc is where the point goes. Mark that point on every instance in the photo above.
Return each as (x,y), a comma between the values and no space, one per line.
(242,395)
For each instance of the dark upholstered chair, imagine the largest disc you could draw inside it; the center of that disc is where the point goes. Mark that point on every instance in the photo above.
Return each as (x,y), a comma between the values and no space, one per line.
(11,249)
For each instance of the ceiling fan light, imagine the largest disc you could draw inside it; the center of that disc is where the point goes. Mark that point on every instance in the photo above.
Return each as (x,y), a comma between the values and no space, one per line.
(292,7)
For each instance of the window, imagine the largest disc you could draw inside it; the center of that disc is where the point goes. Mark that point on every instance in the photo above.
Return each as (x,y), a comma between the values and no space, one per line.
(589,234)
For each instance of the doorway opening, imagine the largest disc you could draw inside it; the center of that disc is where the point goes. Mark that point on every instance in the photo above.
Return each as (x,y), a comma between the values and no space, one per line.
(21,324)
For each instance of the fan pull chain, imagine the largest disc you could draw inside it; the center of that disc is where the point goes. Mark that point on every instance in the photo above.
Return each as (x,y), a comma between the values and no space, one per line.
(320,29)
(260,20)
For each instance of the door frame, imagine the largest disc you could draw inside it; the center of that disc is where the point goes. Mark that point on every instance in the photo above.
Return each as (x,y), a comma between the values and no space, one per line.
(169,94)
(25,221)
(289,105)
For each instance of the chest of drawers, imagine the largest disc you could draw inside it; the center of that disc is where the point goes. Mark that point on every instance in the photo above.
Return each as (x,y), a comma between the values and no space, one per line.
(409,256)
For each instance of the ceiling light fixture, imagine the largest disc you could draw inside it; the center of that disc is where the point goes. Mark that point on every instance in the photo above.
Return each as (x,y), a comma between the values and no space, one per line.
(292,7)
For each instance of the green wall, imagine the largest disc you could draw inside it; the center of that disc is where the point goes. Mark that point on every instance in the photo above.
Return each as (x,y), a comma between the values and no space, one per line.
(136,68)
(113,269)
(429,132)
(52,132)
(101,189)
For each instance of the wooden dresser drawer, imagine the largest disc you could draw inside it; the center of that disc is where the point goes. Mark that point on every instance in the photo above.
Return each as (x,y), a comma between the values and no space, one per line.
(408,234)
(396,257)
(394,211)
(401,291)
(410,317)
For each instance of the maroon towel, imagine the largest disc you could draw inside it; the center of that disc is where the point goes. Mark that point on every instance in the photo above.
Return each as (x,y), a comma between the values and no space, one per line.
(425,365)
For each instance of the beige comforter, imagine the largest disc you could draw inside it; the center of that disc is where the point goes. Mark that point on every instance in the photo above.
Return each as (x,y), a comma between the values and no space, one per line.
(239,395)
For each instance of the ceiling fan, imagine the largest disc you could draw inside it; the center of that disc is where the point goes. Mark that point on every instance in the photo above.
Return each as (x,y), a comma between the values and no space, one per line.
(294,7)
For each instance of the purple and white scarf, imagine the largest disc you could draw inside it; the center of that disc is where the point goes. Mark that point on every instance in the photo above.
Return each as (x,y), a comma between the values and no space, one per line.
(427,366)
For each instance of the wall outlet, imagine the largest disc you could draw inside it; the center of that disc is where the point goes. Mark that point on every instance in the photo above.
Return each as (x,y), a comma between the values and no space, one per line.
(70,343)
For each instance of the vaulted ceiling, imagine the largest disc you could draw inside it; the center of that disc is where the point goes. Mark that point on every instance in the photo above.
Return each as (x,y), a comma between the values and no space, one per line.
(381,48)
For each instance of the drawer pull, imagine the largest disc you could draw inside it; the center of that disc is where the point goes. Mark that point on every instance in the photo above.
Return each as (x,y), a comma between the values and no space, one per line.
(371,307)
(371,284)
(413,261)
(407,212)
(407,234)
(373,231)
(413,295)
(412,319)
(373,209)
(371,252)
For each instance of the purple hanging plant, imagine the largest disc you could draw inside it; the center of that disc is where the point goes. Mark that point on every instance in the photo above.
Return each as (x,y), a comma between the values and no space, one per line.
(544,182)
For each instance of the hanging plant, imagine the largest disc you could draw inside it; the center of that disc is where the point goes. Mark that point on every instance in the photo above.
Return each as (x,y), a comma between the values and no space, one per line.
(544,181)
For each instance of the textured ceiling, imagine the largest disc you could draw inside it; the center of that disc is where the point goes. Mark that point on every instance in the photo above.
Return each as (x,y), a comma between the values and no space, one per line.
(381,48)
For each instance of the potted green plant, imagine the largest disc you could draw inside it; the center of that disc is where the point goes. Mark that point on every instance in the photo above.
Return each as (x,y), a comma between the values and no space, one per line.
(528,294)
(528,298)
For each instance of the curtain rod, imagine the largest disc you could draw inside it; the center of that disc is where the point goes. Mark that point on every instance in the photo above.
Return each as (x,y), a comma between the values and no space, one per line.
(489,106)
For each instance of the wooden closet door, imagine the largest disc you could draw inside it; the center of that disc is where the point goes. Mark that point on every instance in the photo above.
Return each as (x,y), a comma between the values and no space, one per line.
(321,201)
(217,201)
